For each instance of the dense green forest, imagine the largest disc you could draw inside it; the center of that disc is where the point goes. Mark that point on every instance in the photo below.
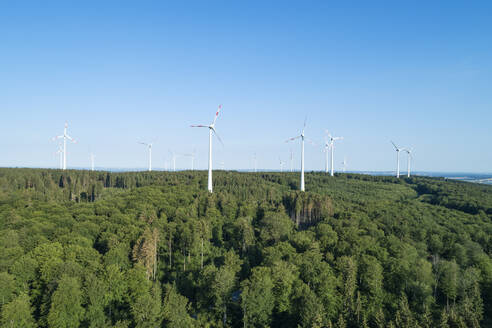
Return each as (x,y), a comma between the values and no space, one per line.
(155,249)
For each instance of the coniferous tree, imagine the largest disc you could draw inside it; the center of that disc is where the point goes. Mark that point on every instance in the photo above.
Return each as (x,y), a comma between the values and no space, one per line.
(66,309)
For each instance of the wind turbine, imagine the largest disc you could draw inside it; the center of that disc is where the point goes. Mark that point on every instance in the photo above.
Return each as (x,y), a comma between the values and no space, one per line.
(254,162)
(92,161)
(192,156)
(398,150)
(174,156)
(344,164)
(281,165)
(65,136)
(409,157)
(326,149)
(211,129)
(149,146)
(302,137)
(291,161)
(331,144)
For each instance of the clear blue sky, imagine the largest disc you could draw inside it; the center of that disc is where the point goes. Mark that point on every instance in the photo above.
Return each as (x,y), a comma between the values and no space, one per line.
(416,72)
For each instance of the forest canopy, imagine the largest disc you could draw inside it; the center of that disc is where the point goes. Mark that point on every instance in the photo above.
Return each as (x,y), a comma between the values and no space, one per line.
(155,249)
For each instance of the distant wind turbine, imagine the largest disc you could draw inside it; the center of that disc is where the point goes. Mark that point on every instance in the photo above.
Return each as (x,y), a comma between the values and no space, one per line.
(398,150)
(291,161)
(254,162)
(211,129)
(302,137)
(281,165)
(149,146)
(192,156)
(65,136)
(174,156)
(409,158)
(344,164)
(331,144)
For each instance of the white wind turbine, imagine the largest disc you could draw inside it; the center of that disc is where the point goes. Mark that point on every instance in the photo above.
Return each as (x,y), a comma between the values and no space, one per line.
(174,156)
(302,137)
(281,164)
(254,162)
(149,146)
(331,144)
(344,164)
(409,159)
(192,156)
(326,150)
(398,150)
(291,161)
(211,129)
(65,136)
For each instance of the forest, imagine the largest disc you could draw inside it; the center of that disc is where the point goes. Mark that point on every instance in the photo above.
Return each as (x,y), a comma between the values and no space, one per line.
(156,249)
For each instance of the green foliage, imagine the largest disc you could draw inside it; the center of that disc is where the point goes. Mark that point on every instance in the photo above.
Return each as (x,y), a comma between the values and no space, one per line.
(152,249)
(17,313)
(66,305)
(257,298)
(175,311)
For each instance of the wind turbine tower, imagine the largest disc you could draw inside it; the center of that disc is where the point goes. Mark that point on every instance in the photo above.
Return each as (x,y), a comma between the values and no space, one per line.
(326,151)
(192,156)
(398,150)
(291,161)
(331,144)
(281,165)
(211,129)
(409,159)
(149,146)
(344,164)
(174,156)
(302,137)
(65,137)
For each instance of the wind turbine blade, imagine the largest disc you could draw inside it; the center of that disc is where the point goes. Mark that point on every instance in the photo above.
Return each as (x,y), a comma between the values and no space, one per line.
(217,114)
(199,126)
(215,133)
(293,138)
(310,141)
(394,145)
